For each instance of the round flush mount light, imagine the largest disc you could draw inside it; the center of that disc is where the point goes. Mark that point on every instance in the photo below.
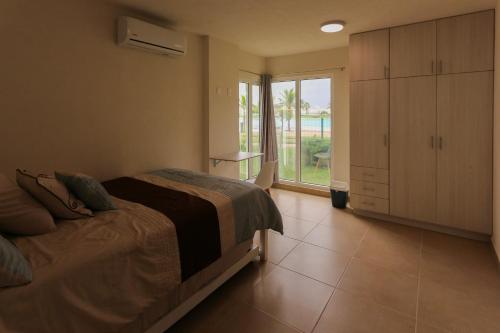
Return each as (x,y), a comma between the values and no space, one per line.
(332,26)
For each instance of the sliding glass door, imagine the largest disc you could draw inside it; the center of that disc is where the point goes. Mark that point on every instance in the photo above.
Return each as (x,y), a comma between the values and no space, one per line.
(249,127)
(303,127)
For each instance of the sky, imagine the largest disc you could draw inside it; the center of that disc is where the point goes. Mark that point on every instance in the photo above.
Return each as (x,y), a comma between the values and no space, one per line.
(314,91)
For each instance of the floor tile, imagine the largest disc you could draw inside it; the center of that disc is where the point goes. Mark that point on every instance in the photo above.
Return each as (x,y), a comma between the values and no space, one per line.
(426,328)
(244,318)
(393,247)
(459,262)
(204,317)
(297,229)
(350,313)
(279,247)
(318,263)
(291,298)
(243,281)
(441,305)
(342,240)
(345,219)
(386,287)
(307,209)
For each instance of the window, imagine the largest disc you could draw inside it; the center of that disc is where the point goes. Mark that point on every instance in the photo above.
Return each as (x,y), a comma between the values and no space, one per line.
(303,128)
(249,127)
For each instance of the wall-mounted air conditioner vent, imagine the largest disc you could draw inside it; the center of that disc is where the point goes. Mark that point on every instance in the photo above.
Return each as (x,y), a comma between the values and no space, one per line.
(139,34)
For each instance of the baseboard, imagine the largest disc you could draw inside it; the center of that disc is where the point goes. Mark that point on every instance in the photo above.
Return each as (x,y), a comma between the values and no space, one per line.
(300,189)
(497,256)
(426,226)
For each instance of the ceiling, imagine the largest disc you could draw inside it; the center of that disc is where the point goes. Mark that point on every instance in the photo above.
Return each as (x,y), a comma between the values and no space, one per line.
(281,27)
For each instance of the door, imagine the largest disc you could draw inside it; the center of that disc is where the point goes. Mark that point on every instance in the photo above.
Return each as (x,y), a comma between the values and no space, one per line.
(465,120)
(369,114)
(412,149)
(369,55)
(413,49)
(303,117)
(466,43)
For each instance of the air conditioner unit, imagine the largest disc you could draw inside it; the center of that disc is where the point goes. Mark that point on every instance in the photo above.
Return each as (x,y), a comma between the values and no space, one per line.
(149,37)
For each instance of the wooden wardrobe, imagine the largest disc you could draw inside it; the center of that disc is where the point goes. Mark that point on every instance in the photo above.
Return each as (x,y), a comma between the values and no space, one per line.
(421,121)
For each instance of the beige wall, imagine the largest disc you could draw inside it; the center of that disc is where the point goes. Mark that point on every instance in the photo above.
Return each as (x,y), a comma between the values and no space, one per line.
(496,140)
(316,62)
(71,99)
(225,63)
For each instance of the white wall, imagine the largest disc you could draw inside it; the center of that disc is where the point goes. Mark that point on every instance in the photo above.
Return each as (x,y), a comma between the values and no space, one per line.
(496,139)
(70,98)
(317,61)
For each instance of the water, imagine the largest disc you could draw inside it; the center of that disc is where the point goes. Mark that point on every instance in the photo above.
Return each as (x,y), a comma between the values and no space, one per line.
(307,124)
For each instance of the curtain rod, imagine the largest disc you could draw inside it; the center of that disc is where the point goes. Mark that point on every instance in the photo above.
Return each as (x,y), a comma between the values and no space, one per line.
(299,73)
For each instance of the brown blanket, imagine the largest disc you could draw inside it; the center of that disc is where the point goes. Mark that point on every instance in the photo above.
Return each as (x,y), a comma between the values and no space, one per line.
(195,219)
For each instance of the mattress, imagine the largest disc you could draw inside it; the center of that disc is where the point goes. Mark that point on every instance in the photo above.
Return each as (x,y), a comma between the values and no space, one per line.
(121,270)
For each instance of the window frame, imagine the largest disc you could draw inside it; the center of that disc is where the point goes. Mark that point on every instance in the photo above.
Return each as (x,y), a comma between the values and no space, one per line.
(297,78)
(250,80)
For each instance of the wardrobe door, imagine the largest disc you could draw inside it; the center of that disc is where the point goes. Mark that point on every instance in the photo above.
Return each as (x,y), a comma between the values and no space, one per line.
(413,148)
(369,103)
(413,49)
(464,174)
(369,55)
(465,43)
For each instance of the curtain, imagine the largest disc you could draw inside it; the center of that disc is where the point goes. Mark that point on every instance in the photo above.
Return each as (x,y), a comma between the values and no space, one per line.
(268,143)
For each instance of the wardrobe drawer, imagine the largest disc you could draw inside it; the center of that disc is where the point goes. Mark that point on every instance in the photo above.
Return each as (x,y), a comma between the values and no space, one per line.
(370,174)
(370,189)
(371,204)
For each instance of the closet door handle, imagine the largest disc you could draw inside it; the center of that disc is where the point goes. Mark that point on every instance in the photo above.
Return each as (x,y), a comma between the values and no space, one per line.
(441,143)
(440,67)
(432,141)
(385,140)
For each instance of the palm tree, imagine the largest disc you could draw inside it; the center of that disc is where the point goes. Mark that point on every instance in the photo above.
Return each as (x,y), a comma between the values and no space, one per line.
(243,102)
(305,105)
(287,103)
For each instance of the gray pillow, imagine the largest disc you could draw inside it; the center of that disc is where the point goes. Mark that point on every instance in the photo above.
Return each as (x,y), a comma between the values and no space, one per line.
(53,194)
(15,270)
(20,214)
(87,189)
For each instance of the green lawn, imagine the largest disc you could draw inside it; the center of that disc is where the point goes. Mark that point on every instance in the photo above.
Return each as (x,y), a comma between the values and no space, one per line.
(310,174)
(310,146)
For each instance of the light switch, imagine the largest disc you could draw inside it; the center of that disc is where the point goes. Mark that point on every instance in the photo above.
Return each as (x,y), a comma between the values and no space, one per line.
(218,91)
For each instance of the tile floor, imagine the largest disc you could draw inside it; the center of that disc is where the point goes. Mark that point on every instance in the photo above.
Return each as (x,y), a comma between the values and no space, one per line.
(335,272)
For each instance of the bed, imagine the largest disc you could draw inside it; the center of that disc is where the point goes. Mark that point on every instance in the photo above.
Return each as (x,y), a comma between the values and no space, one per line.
(176,236)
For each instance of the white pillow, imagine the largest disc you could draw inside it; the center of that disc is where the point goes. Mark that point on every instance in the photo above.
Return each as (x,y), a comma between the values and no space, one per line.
(20,214)
(53,194)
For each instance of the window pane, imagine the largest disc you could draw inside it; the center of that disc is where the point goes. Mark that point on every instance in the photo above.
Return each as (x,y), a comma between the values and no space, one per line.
(256,121)
(284,113)
(243,127)
(315,127)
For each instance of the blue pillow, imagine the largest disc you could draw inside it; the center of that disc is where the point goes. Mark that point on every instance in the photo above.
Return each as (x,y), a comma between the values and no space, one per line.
(88,190)
(15,270)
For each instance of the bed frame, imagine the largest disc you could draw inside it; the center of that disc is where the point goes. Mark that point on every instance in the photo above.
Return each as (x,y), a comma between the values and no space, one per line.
(182,309)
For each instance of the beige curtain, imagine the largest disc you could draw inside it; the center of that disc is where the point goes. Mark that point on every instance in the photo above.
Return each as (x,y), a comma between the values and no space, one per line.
(268,144)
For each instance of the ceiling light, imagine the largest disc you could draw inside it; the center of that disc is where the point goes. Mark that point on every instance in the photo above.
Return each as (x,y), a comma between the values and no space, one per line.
(332,26)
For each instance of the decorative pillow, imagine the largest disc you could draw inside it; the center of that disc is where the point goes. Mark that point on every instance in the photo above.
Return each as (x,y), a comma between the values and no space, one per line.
(87,189)
(15,270)
(21,214)
(53,195)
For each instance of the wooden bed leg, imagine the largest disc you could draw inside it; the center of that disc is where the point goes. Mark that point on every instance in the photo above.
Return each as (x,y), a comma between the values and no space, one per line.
(264,245)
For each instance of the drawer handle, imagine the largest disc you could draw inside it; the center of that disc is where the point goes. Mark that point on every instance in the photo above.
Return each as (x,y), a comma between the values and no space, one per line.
(368,189)
(368,174)
(372,204)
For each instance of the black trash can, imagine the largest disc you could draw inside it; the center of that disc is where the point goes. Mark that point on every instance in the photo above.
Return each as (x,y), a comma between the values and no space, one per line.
(338,193)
